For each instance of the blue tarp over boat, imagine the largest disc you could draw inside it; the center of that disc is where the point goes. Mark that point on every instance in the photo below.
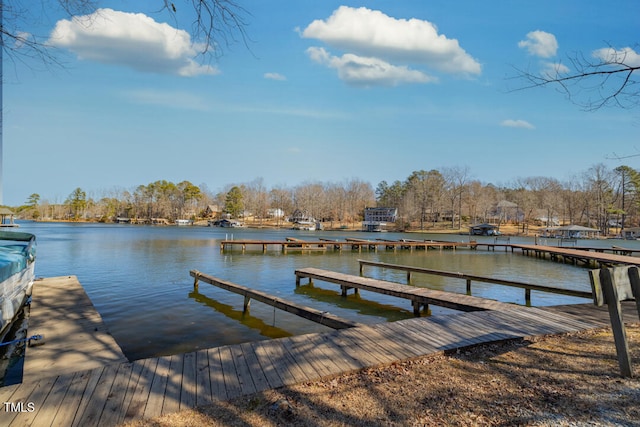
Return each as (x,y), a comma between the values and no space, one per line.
(17,256)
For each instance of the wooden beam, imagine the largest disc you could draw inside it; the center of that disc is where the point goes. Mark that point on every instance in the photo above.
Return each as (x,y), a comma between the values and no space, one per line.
(308,313)
(471,277)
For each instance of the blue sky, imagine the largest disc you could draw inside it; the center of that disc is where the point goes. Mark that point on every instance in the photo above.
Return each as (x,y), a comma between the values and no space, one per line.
(325,91)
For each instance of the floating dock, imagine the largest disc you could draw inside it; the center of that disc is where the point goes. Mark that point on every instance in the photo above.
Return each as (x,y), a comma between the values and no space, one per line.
(75,338)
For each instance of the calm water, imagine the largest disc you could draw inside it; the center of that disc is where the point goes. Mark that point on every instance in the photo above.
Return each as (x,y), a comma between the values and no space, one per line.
(138,279)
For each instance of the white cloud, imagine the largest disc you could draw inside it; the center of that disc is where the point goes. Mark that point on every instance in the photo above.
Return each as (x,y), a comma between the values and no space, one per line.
(540,43)
(371,33)
(367,71)
(626,56)
(554,69)
(522,124)
(130,39)
(274,76)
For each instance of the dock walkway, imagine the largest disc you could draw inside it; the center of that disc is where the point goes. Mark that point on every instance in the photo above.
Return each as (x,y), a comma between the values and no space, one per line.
(350,243)
(418,296)
(75,338)
(587,257)
(119,392)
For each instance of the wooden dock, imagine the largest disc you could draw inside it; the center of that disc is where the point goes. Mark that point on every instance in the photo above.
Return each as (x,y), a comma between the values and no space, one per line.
(468,278)
(419,297)
(339,245)
(113,393)
(75,338)
(578,256)
(308,313)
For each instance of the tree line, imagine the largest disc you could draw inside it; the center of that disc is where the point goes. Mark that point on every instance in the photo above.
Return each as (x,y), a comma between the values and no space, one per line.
(599,197)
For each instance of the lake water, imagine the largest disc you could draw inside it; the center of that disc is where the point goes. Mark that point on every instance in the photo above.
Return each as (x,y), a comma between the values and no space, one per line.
(138,279)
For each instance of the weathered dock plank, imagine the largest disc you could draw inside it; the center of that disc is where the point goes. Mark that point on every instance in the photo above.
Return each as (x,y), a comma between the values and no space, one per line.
(418,296)
(189,389)
(137,395)
(475,278)
(171,402)
(97,398)
(66,409)
(231,380)
(20,394)
(255,368)
(158,386)
(242,370)
(586,256)
(203,379)
(75,336)
(112,412)
(308,313)
(268,366)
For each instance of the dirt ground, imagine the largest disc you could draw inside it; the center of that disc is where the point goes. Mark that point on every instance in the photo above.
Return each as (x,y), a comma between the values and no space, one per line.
(560,380)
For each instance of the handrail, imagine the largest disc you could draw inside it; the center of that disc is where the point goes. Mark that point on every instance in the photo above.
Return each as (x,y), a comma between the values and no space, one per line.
(470,277)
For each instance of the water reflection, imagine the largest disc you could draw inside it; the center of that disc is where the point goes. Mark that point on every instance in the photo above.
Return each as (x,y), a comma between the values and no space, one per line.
(266,330)
(355,302)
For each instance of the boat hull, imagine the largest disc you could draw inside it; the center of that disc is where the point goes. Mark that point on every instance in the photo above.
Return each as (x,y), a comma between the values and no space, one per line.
(17,274)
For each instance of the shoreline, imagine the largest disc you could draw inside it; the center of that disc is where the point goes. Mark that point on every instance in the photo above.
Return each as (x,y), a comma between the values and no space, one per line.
(507,230)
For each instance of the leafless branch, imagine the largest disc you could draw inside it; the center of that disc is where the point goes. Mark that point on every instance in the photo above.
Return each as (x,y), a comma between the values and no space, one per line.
(217,23)
(593,84)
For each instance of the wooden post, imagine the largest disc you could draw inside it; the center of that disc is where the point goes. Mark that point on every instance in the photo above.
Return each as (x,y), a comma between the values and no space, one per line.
(527,296)
(468,286)
(361,269)
(610,286)
(195,282)
(634,280)
(416,308)
(247,301)
(408,277)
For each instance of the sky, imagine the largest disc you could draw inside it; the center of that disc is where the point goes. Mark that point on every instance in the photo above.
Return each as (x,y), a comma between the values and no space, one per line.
(320,91)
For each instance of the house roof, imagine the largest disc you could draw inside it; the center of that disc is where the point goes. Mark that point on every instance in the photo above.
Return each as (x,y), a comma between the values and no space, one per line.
(573,228)
(485,225)
(507,204)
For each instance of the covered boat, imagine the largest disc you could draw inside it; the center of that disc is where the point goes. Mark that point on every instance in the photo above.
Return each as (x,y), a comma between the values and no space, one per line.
(17,263)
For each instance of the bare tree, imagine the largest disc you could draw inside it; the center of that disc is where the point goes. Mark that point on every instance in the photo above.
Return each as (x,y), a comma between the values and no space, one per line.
(456,182)
(608,78)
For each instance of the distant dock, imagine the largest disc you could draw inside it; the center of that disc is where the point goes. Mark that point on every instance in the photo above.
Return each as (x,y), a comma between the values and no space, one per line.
(353,244)
(589,256)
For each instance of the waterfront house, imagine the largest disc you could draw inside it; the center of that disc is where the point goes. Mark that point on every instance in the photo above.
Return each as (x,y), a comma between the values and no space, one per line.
(212,211)
(376,219)
(631,233)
